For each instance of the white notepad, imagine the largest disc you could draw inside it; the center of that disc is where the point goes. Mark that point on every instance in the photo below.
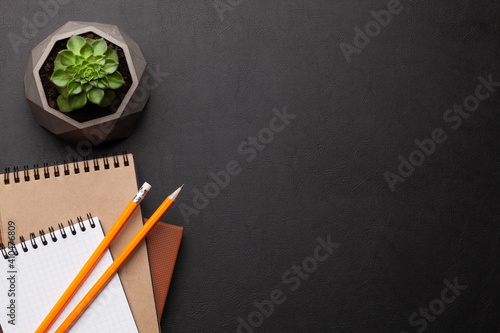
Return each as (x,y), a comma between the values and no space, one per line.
(41,276)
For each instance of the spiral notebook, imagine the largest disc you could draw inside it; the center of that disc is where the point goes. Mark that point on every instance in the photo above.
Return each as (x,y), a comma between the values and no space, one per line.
(35,197)
(37,271)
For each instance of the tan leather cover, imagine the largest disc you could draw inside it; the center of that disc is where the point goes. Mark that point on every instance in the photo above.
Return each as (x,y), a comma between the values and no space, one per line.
(163,245)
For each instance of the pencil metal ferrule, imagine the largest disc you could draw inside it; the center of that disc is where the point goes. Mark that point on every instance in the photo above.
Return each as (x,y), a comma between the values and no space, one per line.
(142,193)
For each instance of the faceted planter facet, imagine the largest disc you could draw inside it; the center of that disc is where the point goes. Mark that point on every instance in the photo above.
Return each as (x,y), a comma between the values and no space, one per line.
(118,125)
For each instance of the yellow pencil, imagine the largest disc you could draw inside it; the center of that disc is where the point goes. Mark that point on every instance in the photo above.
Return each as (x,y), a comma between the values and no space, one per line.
(93,260)
(117,263)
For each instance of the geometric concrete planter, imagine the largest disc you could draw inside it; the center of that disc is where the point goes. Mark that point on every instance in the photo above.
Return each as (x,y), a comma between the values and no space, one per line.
(111,127)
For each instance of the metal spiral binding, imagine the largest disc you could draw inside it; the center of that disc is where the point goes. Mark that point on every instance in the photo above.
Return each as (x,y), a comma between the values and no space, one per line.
(76,166)
(56,169)
(4,251)
(26,174)
(125,160)
(116,161)
(66,168)
(36,170)
(6,179)
(72,227)
(52,170)
(46,171)
(96,163)
(44,240)
(16,174)
(61,229)
(42,237)
(106,161)
(91,219)
(80,222)
(32,240)
(52,234)
(23,244)
(86,164)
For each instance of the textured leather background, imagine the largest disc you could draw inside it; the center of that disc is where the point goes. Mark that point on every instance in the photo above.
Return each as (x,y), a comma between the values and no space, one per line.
(323,174)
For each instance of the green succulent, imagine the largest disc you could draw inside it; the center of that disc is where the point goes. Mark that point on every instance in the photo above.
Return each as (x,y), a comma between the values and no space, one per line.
(86,71)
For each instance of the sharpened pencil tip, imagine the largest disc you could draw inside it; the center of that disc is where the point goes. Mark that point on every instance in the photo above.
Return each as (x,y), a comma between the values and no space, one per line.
(174,195)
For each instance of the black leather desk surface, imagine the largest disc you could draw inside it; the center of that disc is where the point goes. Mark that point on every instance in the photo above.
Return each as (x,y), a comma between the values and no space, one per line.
(396,253)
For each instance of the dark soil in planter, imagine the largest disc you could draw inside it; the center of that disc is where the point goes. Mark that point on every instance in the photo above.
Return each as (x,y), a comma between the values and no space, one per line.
(89,111)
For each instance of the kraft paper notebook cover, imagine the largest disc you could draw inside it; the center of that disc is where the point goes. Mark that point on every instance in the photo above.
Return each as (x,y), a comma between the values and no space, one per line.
(163,245)
(104,186)
(40,267)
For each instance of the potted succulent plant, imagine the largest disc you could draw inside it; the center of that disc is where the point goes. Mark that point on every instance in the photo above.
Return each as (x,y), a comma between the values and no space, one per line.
(87,82)
(86,72)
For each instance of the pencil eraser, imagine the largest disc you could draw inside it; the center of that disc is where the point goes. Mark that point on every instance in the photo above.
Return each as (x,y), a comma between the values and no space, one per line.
(146,187)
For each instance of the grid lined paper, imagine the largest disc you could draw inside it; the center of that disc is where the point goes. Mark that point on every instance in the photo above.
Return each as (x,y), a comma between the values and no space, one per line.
(43,274)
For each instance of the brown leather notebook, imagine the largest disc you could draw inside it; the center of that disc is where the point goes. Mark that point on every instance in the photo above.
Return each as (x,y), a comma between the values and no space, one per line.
(163,245)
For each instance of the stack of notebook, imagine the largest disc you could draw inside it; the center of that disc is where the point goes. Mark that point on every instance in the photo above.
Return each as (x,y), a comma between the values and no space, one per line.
(39,198)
